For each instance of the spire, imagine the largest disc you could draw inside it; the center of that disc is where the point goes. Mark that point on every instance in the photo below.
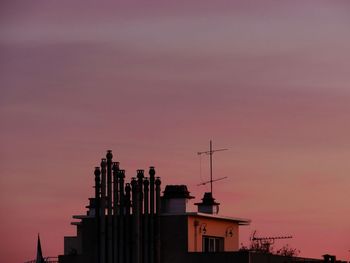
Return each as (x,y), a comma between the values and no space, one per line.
(39,255)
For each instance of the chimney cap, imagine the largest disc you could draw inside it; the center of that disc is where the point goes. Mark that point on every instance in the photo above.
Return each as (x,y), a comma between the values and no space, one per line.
(115,166)
(152,172)
(121,173)
(176,191)
(109,155)
(97,171)
(208,200)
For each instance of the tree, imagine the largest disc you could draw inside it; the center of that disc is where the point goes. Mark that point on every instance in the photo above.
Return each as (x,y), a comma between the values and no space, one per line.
(288,251)
(265,245)
(259,245)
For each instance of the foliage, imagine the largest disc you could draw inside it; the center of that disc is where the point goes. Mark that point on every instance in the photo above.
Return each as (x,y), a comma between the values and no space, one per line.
(288,251)
(266,247)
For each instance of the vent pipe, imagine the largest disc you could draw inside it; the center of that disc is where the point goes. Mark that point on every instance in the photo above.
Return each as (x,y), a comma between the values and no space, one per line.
(157,223)
(115,219)
(145,222)
(97,212)
(140,176)
(136,257)
(103,210)
(128,242)
(121,176)
(152,174)
(109,157)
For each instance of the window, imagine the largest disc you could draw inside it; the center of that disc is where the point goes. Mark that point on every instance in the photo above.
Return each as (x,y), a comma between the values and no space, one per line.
(213,244)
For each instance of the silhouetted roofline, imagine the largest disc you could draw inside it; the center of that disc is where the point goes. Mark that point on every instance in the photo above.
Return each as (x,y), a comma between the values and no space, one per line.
(240,221)
(176,191)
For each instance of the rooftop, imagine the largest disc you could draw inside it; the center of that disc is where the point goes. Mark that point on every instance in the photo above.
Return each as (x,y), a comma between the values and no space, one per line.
(241,221)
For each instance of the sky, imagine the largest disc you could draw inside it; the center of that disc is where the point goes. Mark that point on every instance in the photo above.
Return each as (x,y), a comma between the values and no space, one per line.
(154,81)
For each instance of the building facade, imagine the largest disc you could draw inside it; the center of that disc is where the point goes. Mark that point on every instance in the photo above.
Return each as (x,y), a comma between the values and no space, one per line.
(134,223)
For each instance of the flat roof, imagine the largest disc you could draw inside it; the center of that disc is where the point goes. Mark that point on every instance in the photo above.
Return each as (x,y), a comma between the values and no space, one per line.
(241,221)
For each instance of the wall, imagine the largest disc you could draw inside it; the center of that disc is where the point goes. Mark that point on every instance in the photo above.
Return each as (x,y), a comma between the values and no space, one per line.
(214,227)
(173,238)
(72,245)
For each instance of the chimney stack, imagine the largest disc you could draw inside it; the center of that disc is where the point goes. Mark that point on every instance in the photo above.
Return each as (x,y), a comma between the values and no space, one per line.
(97,173)
(136,244)
(146,222)
(103,211)
(208,204)
(152,174)
(115,218)
(127,215)
(175,199)
(109,157)
(121,176)
(157,222)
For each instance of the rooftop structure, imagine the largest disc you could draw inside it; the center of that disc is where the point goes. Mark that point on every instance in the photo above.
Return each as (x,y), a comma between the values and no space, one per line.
(133,223)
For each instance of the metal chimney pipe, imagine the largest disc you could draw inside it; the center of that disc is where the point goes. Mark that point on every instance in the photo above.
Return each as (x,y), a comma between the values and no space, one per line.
(121,215)
(128,242)
(103,210)
(145,223)
(140,176)
(97,212)
(109,157)
(115,220)
(121,176)
(152,174)
(136,257)
(157,222)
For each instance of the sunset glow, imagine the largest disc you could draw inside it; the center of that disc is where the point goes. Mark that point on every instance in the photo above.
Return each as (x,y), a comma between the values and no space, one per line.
(154,82)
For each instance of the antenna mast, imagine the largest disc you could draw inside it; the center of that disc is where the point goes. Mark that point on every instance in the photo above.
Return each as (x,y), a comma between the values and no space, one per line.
(210,153)
(264,243)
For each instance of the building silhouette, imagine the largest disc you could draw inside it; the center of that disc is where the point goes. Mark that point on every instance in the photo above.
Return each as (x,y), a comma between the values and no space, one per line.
(133,222)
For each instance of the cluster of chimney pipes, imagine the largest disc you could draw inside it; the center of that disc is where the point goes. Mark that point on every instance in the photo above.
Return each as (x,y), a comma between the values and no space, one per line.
(127,215)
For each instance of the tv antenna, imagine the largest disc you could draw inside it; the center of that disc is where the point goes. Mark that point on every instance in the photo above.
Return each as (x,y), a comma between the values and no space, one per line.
(266,242)
(210,153)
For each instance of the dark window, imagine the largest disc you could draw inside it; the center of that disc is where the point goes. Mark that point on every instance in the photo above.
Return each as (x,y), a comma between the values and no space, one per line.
(213,244)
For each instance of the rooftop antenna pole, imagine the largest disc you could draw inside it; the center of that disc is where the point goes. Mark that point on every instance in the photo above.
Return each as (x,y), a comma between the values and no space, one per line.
(264,243)
(210,153)
(211,166)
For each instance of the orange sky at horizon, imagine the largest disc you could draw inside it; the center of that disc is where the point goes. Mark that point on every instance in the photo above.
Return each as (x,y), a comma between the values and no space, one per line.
(155,82)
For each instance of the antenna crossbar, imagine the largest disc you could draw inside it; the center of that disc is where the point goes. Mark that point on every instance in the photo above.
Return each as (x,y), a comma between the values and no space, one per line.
(210,153)
(270,238)
(215,180)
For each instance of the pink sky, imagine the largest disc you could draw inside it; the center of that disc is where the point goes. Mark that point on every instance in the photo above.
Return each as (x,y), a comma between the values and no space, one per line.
(154,82)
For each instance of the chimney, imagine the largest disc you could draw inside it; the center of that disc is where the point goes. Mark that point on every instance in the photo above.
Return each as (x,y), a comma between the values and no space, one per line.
(136,216)
(103,211)
(157,223)
(208,204)
(175,199)
(128,240)
(121,247)
(329,258)
(146,221)
(152,174)
(97,174)
(115,218)
(109,247)
(140,176)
